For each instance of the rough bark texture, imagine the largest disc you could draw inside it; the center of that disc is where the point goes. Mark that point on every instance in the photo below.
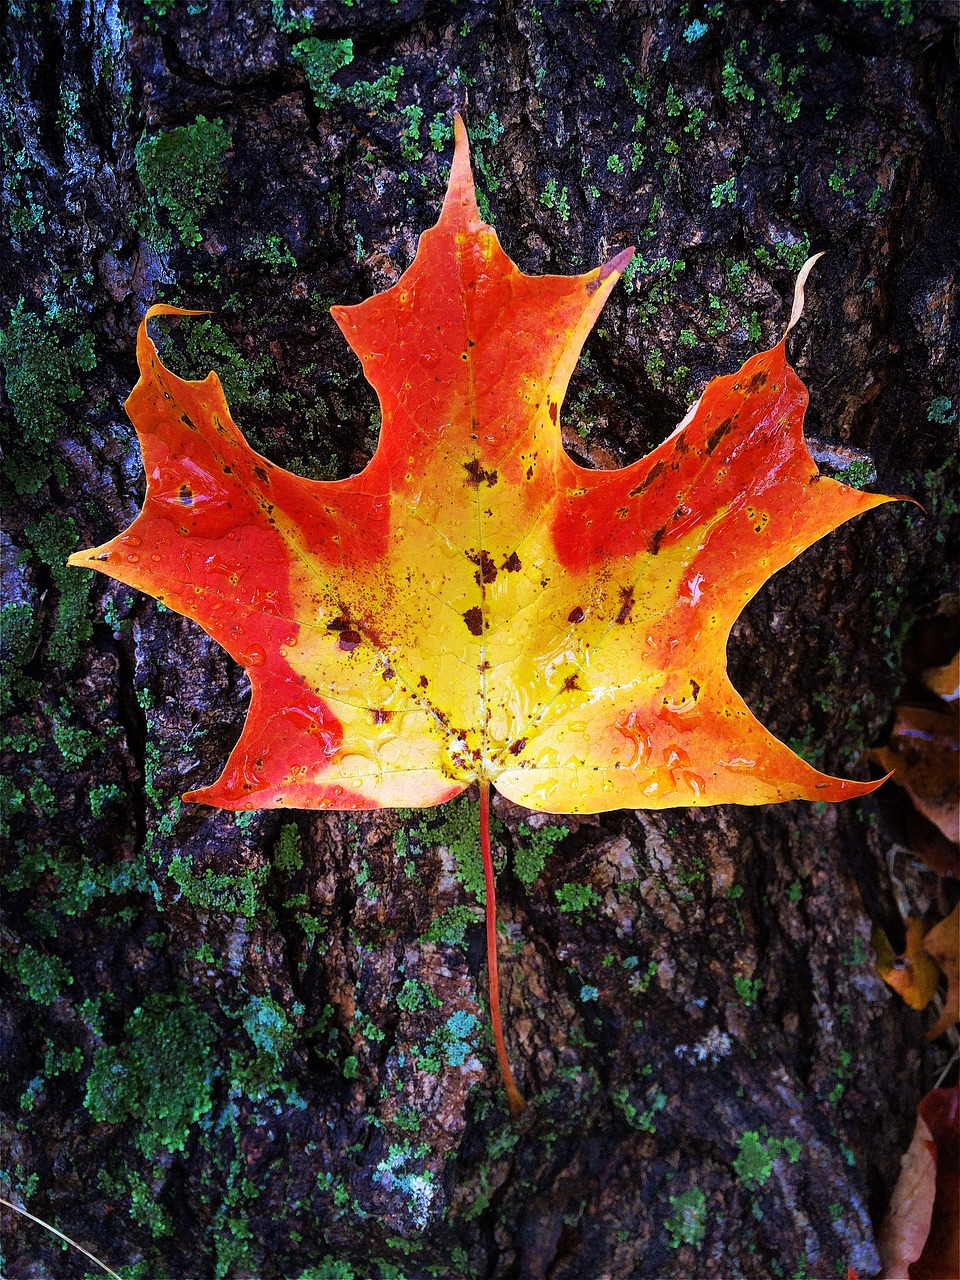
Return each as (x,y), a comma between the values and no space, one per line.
(246,1048)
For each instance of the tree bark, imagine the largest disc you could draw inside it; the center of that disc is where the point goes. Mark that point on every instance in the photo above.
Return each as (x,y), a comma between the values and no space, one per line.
(258,1046)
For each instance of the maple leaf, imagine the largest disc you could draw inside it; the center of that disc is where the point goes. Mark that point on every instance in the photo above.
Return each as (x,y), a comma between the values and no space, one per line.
(474,606)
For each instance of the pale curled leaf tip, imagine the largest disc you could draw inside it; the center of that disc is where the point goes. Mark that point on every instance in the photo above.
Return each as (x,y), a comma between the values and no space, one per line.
(165,309)
(797,309)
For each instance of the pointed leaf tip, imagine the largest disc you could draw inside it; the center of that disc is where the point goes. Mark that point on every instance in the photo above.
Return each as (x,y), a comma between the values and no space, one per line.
(618,263)
(460,200)
(797,310)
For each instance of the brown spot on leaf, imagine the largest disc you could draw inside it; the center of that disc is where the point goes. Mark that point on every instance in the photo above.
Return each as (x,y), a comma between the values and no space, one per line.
(655,471)
(758,380)
(261,474)
(626,605)
(186,495)
(576,614)
(486,569)
(655,539)
(349,640)
(474,620)
(571,682)
(717,434)
(477,474)
(512,563)
(517,747)
(381,715)
(552,408)
(423,682)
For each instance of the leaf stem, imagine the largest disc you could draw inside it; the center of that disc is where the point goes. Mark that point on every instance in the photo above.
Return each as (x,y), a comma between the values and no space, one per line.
(514,1097)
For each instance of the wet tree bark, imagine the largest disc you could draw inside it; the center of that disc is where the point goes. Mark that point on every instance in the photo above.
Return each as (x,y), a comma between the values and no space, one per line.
(258,1047)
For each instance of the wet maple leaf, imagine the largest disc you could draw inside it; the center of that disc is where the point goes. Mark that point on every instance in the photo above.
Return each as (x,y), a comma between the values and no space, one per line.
(475,606)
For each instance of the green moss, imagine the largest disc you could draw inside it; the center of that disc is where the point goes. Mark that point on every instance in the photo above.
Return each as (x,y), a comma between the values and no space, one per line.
(410,147)
(157,9)
(787,255)
(414,996)
(41,368)
(532,850)
(576,897)
(748,989)
(734,86)
(145,1209)
(288,857)
(329,1269)
(642,1119)
(457,826)
(859,474)
(439,131)
(261,1070)
(288,23)
(52,539)
(754,1163)
(554,197)
(74,743)
(11,803)
(272,252)
(483,138)
(901,10)
(724,193)
(18,639)
(451,927)
(321,60)
(43,976)
(450,1044)
(237,894)
(203,345)
(688,1222)
(159,1078)
(182,171)
(103,797)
